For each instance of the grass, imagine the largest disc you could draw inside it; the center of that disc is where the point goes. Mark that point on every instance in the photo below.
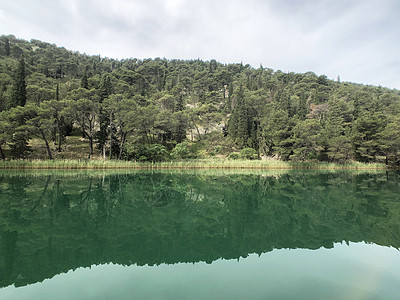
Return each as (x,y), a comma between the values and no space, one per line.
(75,150)
(212,163)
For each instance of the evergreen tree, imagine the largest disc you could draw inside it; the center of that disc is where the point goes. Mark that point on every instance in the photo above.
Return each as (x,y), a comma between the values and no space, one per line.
(19,89)
(7,47)
(58,92)
(105,87)
(105,132)
(239,125)
(84,81)
(367,133)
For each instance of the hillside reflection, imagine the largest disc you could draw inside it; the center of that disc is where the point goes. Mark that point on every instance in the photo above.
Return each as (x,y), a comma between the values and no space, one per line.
(54,223)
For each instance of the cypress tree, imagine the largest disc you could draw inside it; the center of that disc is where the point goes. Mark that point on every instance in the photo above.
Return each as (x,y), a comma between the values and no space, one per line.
(7,47)
(105,87)
(238,125)
(105,92)
(84,81)
(58,92)
(19,89)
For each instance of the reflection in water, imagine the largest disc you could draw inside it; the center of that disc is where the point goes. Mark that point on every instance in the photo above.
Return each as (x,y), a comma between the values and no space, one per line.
(55,223)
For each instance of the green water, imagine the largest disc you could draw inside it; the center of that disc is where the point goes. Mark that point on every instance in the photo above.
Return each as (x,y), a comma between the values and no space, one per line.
(199,235)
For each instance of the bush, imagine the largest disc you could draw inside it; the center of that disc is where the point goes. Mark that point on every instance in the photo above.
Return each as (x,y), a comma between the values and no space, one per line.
(234,155)
(216,150)
(248,153)
(155,152)
(181,150)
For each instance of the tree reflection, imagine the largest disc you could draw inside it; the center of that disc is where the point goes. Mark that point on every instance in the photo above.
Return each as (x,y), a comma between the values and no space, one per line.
(52,224)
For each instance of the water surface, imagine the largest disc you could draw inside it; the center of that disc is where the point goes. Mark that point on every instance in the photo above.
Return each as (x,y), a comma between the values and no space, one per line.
(199,235)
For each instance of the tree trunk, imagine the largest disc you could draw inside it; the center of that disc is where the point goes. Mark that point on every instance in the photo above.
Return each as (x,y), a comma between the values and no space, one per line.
(47,144)
(59,139)
(198,133)
(122,145)
(2,153)
(91,146)
(111,135)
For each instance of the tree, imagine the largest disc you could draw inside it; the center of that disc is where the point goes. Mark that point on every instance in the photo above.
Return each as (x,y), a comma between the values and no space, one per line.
(105,87)
(123,121)
(367,131)
(39,123)
(85,113)
(16,139)
(84,81)
(7,47)
(6,87)
(239,126)
(4,132)
(306,140)
(278,134)
(59,125)
(336,133)
(19,90)
(390,141)
(105,91)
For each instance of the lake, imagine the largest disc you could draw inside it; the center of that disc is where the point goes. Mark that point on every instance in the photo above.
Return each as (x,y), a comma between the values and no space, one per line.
(199,235)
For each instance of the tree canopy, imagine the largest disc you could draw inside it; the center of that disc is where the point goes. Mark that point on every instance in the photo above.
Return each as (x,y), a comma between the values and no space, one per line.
(127,108)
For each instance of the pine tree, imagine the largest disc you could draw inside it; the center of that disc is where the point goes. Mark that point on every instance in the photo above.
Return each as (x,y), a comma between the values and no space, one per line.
(105,92)
(239,126)
(105,87)
(7,47)
(58,92)
(84,81)
(19,89)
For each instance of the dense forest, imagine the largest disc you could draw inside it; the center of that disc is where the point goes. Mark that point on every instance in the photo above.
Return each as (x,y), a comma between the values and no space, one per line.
(161,109)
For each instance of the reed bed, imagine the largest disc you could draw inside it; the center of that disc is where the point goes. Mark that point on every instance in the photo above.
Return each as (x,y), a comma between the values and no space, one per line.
(68,164)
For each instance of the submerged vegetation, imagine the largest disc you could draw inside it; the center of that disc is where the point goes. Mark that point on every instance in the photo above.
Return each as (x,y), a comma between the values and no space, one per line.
(141,113)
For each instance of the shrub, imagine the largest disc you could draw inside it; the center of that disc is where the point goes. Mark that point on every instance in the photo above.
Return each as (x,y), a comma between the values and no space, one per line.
(155,152)
(248,153)
(234,155)
(181,150)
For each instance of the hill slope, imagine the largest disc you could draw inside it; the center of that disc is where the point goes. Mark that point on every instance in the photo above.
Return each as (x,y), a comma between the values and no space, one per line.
(157,109)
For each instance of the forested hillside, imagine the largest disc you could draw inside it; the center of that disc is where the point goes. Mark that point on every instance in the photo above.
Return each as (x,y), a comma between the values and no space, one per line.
(160,109)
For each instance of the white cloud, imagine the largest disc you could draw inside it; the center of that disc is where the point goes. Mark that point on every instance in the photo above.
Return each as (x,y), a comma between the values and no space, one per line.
(357,40)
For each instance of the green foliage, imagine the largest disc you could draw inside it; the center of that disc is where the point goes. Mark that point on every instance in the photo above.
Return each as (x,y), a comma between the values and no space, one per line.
(234,155)
(19,90)
(367,132)
(248,153)
(152,153)
(239,125)
(119,105)
(306,140)
(7,47)
(181,151)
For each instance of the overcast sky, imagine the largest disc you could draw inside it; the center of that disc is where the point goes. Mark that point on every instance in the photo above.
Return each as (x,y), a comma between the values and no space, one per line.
(359,40)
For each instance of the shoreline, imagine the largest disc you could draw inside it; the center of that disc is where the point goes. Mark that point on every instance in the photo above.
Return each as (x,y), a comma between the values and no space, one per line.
(185,164)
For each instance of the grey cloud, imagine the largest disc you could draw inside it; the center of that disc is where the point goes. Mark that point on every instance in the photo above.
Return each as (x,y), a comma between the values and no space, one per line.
(357,40)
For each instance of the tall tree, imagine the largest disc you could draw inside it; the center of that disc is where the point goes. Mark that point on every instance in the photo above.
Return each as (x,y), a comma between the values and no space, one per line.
(239,126)
(367,132)
(7,47)
(84,81)
(84,112)
(105,126)
(39,122)
(19,89)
